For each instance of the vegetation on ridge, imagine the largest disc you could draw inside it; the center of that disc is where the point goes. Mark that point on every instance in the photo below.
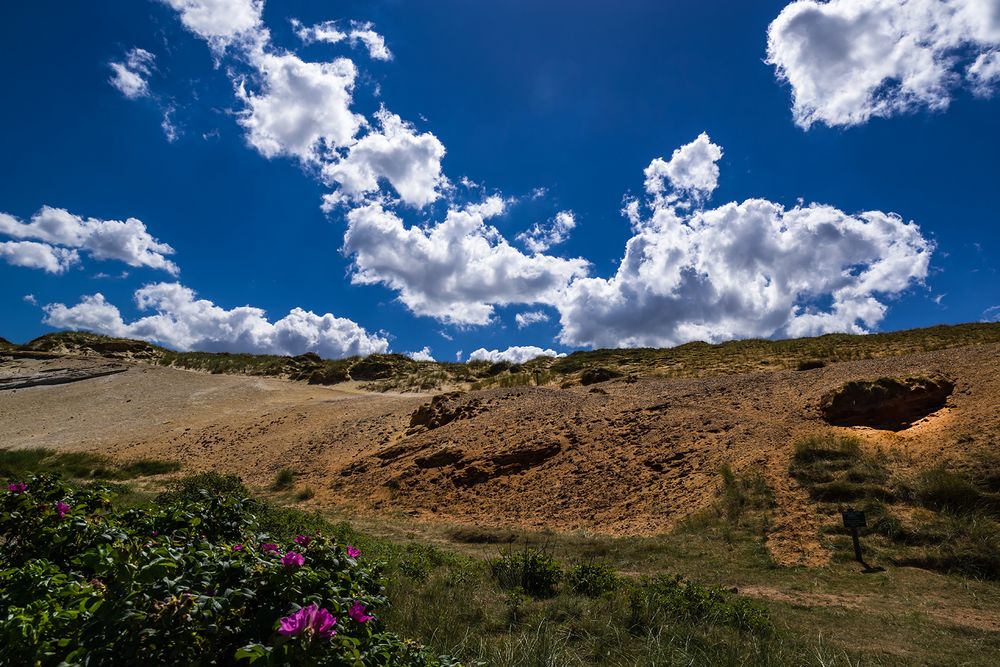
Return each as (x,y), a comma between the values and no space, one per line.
(396,372)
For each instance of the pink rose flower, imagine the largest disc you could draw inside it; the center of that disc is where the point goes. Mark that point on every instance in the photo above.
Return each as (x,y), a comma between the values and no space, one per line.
(292,559)
(17,487)
(309,620)
(353,552)
(269,547)
(62,509)
(357,613)
(303,540)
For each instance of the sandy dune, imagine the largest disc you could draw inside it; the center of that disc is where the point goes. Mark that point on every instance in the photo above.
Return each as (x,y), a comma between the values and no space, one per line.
(621,457)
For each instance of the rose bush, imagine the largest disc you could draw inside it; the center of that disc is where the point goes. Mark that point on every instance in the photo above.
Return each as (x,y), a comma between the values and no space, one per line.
(187,580)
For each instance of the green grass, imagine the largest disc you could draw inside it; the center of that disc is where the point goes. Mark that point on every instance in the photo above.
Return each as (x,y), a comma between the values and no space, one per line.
(16,463)
(834,469)
(940,519)
(459,607)
(284,479)
(663,600)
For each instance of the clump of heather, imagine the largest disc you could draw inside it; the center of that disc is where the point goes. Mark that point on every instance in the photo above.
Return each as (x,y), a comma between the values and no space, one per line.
(191,580)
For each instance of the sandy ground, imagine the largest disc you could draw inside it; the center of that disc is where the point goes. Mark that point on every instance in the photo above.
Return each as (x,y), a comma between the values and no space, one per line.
(621,457)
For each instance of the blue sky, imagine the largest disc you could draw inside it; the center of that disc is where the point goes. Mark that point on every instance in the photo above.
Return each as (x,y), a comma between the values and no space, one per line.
(550,113)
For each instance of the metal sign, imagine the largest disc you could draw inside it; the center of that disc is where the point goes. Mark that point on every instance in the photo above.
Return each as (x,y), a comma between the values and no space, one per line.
(853,519)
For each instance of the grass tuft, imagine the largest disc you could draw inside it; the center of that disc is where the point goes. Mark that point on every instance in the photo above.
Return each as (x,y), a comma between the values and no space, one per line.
(283,480)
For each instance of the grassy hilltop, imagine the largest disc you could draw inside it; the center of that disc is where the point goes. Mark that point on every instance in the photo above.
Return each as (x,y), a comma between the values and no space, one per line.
(396,372)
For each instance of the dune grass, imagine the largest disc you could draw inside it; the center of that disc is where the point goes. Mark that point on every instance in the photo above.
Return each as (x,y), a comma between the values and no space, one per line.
(78,465)
(942,518)
(395,372)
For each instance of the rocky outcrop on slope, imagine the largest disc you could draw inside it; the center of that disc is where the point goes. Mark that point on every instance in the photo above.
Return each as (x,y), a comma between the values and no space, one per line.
(887,403)
(21,373)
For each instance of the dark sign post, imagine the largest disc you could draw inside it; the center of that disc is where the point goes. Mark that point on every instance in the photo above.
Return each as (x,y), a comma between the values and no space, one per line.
(854,519)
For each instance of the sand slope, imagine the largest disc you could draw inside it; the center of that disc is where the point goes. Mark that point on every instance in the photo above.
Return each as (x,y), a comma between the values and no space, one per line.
(622,457)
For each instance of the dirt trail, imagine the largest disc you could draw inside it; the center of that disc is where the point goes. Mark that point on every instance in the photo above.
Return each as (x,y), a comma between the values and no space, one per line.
(621,457)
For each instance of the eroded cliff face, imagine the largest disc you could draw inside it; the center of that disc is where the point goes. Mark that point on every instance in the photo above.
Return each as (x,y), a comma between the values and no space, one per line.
(887,403)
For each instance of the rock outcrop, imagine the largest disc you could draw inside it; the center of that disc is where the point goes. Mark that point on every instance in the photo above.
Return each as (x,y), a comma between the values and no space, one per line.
(891,404)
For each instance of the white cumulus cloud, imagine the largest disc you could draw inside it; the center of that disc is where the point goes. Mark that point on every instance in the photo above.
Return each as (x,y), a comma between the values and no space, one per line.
(219,21)
(984,74)
(421,355)
(359,33)
(33,255)
(127,241)
(692,170)
(185,322)
(455,270)
(543,236)
(302,108)
(850,60)
(750,269)
(410,162)
(374,42)
(517,354)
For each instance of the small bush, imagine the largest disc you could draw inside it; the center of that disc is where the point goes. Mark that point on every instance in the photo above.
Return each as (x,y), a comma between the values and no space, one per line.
(305,493)
(825,448)
(967,545)
(592,579)
(283,480)
(810,364)
(661,599)
(739,494)
(985,470)
(474,535)
(150,467)
(535,572)
(599,374)
(204,484)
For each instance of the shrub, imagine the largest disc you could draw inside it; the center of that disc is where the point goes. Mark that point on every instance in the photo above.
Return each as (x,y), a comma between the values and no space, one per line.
(661,598)
(535,572)
(967,545)
(592,579)
(599,374)
(305,493)
(283,480)
(810,364)
(826,448)
(477,535)
(150,467)
(747,492)
(191,580)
